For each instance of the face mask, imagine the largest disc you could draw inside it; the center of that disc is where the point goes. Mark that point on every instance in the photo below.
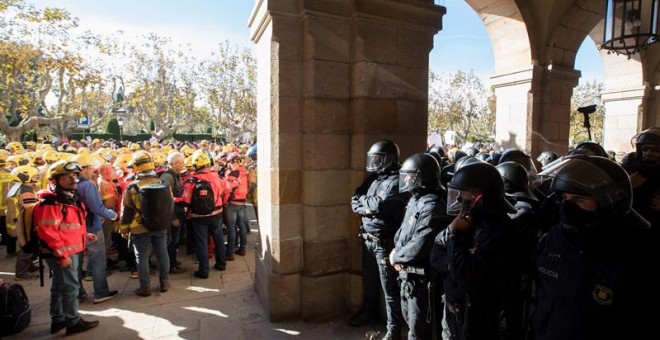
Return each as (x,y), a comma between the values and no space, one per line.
(574,218)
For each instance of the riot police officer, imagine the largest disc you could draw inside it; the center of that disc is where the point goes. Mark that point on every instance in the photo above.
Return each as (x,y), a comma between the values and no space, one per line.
(527,232)
(473,255)
(380,206)
(592,267)
(425,217)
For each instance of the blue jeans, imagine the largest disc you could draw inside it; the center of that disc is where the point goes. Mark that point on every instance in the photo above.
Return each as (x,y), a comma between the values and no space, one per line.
(143,244)
(235,218)
(175,237)
(96,264)
(64,291)
(204,227)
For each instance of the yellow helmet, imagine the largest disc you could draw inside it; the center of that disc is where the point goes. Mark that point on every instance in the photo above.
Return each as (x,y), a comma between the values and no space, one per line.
(122,161)
(83,150)
(44,147)
(134,147)
(51,156)
(63,167)
(65,156)
(17,160)
(4,153)
(71,149)
(26,173)
(86,160)
(14,146)
(166,148)
(186,150)
(110,155)
(96,141)
(142,161)
(31,144)
(188,163)
(158,158)
(124,150)
(200,159)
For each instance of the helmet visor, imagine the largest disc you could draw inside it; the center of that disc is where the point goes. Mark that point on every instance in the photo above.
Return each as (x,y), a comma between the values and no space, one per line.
(409,181)
(375,161)
(462,202)
(575,175)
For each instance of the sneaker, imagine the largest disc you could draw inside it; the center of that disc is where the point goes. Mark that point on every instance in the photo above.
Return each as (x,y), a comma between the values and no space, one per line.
(165,286)
(142,291)
(135,274)
(88,278)
(201,275)
(81,326)
(57,326)
(177,270)
(106,297)
(240,252)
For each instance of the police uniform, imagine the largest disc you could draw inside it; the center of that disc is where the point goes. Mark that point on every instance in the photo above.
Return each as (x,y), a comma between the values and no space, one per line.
(425,217)
(380,206)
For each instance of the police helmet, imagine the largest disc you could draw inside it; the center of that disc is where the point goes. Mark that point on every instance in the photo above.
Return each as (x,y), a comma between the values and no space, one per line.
(520,157)
(420,170)
(382,155)
(516,180)
(471,151)
(589,149)
(599,177)
(484,186)
(546,157)
(649,138)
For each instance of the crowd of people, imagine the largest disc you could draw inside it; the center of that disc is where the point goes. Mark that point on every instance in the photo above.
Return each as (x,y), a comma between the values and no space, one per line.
(488,246)
(98,206)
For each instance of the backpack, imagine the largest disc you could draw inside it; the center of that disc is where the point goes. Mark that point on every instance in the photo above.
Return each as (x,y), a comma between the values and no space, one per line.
(156,205)
(25,231)
(203,198)
(15,310)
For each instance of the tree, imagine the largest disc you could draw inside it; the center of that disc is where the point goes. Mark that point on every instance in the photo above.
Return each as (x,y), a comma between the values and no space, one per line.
(229,85)
(584,95)
(38,58)
(163,86)
(461,103)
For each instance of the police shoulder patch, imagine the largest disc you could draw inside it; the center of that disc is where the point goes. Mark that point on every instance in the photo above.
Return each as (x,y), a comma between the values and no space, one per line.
(602,295)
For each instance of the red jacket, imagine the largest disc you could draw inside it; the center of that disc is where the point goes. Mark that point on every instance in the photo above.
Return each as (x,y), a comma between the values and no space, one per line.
(238,183)
(220,190)
(60,225)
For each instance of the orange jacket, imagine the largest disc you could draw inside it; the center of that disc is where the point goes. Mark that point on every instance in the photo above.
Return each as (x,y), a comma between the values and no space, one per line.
(60,224)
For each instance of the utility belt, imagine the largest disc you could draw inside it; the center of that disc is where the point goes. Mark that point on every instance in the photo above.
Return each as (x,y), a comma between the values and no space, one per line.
(385,242)
(412,272)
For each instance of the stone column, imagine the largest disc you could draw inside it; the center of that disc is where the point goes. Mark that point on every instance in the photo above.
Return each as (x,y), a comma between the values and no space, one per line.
(533,108)
(334,76)
(623,115)
(511,123)
(550,103)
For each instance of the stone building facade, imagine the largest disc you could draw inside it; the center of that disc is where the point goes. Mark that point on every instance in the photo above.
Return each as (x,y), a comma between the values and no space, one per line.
(336,75)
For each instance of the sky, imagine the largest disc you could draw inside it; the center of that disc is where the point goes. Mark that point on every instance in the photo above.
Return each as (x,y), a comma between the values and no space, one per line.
(462,44)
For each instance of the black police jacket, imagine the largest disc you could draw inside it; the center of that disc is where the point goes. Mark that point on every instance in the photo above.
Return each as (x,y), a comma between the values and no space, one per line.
(476,263)
(379,203)
(425,217)
(594,284)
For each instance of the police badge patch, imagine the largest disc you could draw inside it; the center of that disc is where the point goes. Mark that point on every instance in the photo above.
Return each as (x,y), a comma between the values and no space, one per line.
(602,295)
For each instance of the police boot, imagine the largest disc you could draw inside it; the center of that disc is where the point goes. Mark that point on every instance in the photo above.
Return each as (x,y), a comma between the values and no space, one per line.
(392,335)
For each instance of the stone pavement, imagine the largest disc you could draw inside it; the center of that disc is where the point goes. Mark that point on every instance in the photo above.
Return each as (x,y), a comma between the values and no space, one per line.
(225,306)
